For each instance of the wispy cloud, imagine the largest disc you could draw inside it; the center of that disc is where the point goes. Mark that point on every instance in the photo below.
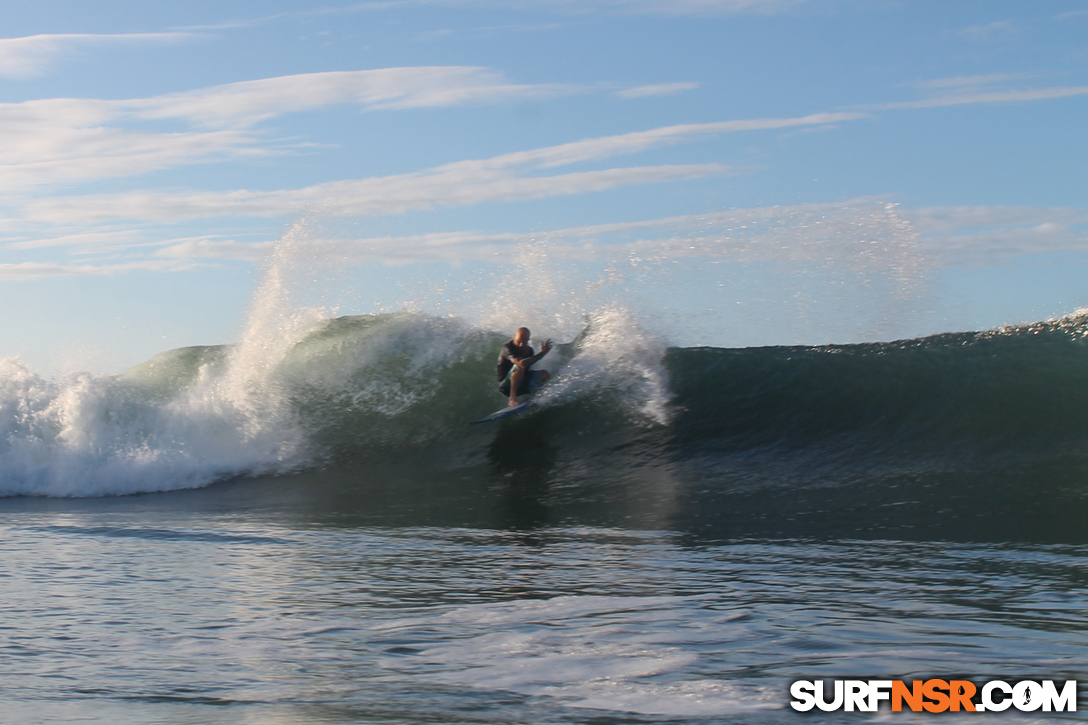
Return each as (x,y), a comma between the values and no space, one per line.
(977,81)
(249,102)
(945,219)
(842,232)
(971,96)
(71,140)
(663,89)
(459,184)
(628,143)
(863,231)
(487,30)
(739,235)
(981,235)
(700,8)
(64,141)
(101,240)
(992,88)
(207,248)
(34,55)
(504,178)
(988,30)
(29,271)
(1037,94)
(703,7)
(55,152)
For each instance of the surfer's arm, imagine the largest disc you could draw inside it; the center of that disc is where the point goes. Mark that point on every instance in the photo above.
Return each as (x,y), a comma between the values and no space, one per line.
(527,362)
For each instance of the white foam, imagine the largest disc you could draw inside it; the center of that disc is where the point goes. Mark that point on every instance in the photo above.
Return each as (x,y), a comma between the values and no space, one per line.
(90,435)
(627,654)
(617,356)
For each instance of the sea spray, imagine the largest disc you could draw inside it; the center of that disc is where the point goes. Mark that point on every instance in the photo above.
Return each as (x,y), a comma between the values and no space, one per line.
(806,274)
(614,357)
(390,389)
(248,394)
(86,435)
(300,389)
(304,389)
(180,421)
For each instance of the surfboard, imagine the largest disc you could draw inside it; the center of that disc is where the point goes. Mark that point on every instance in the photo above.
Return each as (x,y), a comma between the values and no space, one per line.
(504,413)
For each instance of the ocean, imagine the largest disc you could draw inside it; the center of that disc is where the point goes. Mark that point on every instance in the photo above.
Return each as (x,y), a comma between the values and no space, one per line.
(302,527)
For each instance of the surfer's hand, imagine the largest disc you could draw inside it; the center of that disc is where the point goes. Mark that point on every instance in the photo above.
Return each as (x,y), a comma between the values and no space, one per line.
(547,346)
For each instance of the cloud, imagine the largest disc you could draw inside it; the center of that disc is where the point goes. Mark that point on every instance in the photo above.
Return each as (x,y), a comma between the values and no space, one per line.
(54,153)
(66,141)
(209,249)
(249,102)
(453,185)
(997,246)
(701,8)
(97,240)
(862,238)
(983,235)
(72,140)
(664,89)
(961,82)
(863,233)
(943,219)
(866,235)
(29,271)
(973,89)
(33,55)
(134,242)
(508,177)
(1010,96)
(629,143)
(809,233)
(989,30)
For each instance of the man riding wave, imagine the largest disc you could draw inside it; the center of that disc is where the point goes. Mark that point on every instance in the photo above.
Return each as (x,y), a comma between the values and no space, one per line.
(514,369)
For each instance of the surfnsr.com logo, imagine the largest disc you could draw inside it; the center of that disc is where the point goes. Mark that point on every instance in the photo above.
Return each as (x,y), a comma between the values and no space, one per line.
(935,695)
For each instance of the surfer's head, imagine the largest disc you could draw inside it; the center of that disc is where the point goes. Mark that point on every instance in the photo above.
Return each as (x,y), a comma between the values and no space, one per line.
(522,336)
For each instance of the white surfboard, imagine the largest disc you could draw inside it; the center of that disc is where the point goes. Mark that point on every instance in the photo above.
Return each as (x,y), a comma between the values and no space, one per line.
(504,413)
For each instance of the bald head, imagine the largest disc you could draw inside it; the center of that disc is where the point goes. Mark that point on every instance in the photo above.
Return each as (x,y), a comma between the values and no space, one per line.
(522,336)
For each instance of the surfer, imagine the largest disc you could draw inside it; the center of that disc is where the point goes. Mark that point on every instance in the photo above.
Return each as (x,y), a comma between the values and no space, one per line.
(515,360)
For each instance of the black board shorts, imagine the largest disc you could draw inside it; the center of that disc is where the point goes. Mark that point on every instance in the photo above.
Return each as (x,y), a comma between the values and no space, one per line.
(529,383)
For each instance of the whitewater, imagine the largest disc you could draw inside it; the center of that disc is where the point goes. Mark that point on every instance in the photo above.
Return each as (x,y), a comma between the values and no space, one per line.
(301,527)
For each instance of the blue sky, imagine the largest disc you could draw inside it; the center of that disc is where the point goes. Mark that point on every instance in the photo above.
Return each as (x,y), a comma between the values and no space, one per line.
(758,171)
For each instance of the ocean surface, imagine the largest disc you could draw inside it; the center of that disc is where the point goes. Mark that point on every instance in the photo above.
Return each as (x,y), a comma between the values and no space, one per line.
(303,528)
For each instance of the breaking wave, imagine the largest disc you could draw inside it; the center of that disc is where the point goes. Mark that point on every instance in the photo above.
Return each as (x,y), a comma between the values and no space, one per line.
(973,434)
(394,381)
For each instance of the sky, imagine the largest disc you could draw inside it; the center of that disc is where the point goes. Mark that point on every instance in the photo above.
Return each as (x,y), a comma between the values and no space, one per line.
(748,172)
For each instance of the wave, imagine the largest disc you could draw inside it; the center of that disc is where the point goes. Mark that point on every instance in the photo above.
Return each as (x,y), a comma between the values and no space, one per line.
(404,380)
(347,385)
(946,397)
(978,434)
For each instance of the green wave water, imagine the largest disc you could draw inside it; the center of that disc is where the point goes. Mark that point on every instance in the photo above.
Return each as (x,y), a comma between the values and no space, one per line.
(972,435)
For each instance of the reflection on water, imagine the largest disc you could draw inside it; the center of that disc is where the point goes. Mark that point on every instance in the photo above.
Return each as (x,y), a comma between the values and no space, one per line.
(136,616)
(527,477)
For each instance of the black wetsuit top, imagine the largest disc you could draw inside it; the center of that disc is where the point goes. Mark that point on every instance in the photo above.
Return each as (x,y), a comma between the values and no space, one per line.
(509,353)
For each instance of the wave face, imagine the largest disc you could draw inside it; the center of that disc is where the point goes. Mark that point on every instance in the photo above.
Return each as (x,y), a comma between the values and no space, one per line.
(344,386)
(951,399)
(957,435)
(967,436)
